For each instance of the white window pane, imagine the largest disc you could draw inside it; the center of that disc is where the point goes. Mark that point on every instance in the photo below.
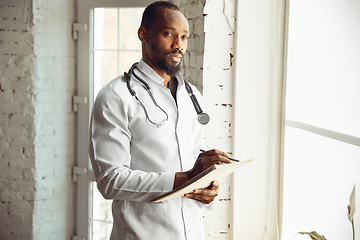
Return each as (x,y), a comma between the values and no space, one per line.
(323,86)
(116,45)
(106,28)
(126,59)
(105,68)
(323,65)
(319,175)
(129,22)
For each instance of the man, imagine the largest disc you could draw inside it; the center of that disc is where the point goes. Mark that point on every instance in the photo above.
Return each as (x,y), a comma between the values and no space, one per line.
(134,158)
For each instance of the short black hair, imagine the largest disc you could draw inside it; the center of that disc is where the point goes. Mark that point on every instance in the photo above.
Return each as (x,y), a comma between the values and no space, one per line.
(150,12)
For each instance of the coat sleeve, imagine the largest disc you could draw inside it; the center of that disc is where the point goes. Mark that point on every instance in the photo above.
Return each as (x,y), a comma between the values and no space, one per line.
(109,151)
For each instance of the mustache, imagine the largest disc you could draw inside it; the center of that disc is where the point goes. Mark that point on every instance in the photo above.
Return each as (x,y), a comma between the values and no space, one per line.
(175,52)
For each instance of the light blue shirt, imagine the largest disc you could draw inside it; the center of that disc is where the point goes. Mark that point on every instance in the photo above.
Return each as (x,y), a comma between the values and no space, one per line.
(134,160)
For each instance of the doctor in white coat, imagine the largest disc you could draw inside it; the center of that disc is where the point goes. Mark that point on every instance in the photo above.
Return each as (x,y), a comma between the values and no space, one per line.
(134,159)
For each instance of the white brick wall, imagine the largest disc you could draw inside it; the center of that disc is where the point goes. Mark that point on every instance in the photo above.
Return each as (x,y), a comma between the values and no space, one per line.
(208,65)
(17,185)
(218,96)
(54,87)
(193,61)
(37,65)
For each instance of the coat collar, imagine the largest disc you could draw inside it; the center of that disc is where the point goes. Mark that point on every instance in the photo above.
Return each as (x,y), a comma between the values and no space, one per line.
(154,76)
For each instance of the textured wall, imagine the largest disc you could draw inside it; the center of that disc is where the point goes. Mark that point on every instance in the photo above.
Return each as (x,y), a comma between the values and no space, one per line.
(218,74)
(208,64)
(36,121)
(192,68)
(17,129)
(54,86)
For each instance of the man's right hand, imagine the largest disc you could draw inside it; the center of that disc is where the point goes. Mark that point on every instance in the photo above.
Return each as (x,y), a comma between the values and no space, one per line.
(204,161)
(207,159)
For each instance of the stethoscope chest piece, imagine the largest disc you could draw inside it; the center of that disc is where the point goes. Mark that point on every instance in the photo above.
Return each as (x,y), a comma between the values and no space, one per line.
(203,118)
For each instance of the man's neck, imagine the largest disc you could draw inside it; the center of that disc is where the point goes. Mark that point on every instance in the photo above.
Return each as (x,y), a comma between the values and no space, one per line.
(161,72)
(167,80)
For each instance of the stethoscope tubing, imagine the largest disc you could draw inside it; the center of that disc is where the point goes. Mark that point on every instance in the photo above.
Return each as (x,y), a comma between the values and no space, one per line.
(203,118)
(146,113)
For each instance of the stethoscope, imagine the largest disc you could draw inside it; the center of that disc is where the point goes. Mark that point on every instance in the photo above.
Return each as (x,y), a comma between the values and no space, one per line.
(203,118)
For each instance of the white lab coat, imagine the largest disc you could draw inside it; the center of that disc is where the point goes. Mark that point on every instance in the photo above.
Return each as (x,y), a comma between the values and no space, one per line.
(134,160)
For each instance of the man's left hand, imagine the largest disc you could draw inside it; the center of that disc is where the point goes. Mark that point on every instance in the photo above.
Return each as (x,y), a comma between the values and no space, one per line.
(205,195)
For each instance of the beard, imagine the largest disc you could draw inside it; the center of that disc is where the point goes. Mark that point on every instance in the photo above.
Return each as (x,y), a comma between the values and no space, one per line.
(170,68)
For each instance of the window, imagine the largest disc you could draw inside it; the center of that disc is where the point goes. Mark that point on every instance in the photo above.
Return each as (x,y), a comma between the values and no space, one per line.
(116,45)
(322,133)
(104,51)
(116,48)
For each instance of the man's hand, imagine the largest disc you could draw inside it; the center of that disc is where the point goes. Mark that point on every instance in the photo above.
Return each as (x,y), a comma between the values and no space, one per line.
(203,162)
(207,159)
(205,195)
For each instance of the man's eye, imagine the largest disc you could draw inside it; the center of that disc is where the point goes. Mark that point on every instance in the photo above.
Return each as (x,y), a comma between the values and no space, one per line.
(168,34)
(185,37)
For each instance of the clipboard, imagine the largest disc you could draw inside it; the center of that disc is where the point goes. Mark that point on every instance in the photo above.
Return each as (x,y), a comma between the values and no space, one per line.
(202,180)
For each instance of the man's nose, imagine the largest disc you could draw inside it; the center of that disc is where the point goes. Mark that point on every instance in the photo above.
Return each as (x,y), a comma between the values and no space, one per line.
(178,44)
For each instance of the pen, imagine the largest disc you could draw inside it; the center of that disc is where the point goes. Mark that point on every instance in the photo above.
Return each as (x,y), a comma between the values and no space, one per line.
(232,159)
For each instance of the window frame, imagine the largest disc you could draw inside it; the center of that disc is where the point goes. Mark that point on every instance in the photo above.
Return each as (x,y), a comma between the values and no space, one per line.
(84,76)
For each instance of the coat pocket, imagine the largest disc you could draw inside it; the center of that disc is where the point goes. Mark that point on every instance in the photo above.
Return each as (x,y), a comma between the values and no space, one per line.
(147,220)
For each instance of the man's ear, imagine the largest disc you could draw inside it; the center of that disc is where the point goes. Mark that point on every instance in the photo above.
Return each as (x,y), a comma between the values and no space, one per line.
(142,34)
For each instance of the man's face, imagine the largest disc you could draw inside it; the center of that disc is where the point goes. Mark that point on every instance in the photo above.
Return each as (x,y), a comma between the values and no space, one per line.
(167,41)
